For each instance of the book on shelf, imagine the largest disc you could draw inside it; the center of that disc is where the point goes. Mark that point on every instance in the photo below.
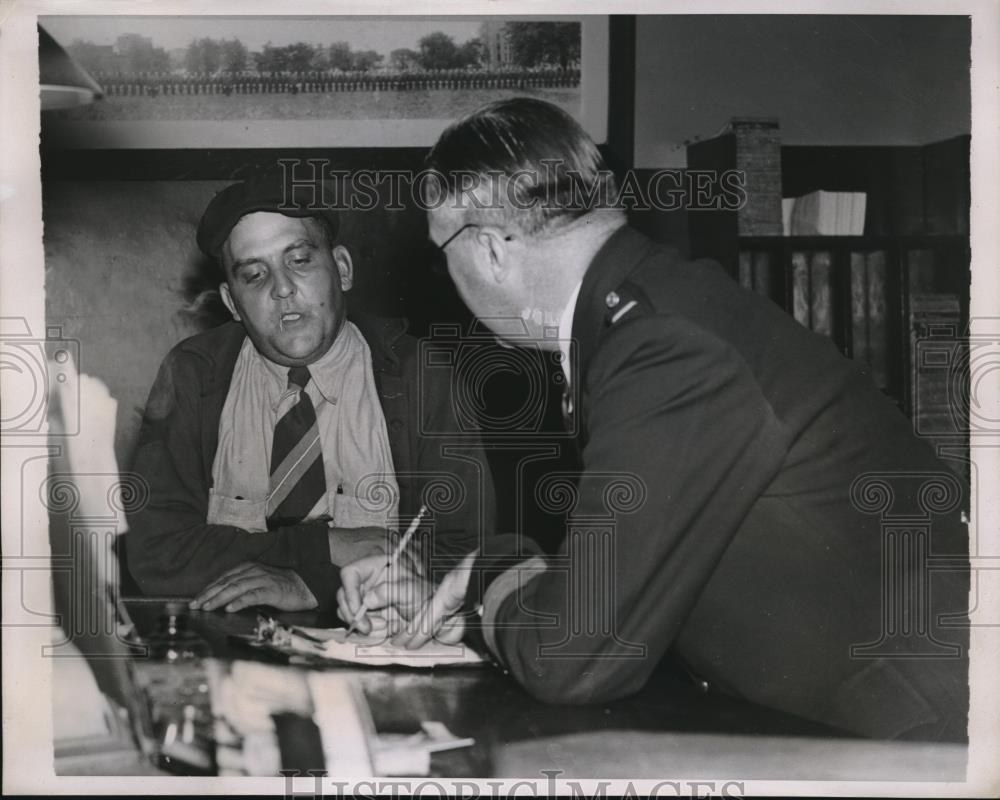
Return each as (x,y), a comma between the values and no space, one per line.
(812,290)
(755,272)
(869,327)
(813,303)
(933,389)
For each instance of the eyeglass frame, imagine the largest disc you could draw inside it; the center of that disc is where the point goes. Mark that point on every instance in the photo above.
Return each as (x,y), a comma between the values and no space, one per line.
(465,227)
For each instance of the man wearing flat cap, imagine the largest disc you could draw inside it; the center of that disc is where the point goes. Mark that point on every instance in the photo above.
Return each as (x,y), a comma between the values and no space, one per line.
(286,443)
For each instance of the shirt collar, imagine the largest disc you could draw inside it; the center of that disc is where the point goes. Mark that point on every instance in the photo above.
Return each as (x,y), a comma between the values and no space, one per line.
(566,328)
(326,372)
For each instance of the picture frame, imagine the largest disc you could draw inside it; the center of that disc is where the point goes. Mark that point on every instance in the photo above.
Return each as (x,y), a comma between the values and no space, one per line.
(291,114)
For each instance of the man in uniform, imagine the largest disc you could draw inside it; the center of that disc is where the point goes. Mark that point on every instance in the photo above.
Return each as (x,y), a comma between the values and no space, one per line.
(731,459)
(288,442)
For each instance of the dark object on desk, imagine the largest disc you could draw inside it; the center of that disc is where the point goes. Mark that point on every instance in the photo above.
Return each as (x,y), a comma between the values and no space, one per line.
(185,747)
(300,744)
(173,640)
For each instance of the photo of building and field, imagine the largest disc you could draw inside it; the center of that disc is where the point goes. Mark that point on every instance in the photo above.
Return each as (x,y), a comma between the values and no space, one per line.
(189,68)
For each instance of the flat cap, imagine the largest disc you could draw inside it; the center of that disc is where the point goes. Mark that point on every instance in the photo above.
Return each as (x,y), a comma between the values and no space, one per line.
(268,191)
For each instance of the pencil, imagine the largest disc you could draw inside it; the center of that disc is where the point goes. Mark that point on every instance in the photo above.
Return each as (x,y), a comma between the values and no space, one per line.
(389,563)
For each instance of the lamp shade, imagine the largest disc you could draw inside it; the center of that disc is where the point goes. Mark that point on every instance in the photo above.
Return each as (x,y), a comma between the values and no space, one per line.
(63,82)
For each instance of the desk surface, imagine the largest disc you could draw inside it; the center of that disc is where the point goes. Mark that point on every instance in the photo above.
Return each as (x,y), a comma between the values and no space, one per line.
(669,727)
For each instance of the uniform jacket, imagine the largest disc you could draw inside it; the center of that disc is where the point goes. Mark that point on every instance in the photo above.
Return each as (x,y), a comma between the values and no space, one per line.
(718,509)
(171,550)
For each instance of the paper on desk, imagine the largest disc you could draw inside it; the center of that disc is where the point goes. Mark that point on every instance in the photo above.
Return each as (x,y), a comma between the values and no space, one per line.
(375,650)
(402,754)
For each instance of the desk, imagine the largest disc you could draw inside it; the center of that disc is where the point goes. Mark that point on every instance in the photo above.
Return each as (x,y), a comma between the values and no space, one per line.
(670,727)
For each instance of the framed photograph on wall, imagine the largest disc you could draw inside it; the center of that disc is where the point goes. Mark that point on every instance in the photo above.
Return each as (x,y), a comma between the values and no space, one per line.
(251,81)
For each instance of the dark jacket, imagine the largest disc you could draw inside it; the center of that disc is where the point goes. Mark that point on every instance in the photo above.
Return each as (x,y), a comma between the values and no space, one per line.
(172,550)
(718,514)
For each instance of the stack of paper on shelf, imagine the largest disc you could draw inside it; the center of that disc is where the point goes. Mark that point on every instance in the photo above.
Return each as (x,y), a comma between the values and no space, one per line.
(824,214)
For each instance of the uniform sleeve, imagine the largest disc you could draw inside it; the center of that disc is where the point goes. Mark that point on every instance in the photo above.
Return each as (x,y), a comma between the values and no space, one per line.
(681,443)
(171,549)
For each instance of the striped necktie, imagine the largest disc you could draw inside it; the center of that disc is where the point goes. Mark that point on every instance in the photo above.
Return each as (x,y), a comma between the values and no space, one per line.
(298,482)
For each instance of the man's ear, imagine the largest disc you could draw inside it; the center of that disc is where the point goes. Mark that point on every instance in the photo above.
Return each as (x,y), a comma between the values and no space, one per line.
(345,266)
(227,299)
(493,248)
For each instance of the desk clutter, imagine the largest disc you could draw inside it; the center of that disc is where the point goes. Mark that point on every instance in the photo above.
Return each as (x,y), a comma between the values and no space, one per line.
(215,716)
(317,645)
(198,705)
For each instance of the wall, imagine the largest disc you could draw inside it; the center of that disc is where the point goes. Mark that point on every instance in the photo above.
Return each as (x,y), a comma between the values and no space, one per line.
(117,255)
(858,80)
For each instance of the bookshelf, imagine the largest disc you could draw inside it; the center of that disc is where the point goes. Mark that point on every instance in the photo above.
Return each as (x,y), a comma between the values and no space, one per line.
(876,295)
(860,291)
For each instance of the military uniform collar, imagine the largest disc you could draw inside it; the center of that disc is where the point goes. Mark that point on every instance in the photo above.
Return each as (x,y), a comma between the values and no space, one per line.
(610,267)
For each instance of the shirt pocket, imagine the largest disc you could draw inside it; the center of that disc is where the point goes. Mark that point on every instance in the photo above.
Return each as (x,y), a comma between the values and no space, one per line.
(251,515)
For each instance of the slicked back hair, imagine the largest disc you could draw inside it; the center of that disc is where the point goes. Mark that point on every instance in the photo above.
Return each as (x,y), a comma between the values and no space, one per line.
(522,162)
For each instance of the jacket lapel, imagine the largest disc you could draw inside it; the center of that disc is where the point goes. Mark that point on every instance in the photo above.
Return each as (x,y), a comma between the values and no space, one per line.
(221,352)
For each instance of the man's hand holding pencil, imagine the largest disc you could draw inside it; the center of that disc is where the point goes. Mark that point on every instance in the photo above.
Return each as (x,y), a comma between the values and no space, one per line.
(409,605)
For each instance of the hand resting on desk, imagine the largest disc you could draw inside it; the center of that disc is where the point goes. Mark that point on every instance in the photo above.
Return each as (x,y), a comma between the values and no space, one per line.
(252,584)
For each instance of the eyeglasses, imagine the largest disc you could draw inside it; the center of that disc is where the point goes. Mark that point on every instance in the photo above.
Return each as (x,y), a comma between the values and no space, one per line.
(438,258)
(468,225)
